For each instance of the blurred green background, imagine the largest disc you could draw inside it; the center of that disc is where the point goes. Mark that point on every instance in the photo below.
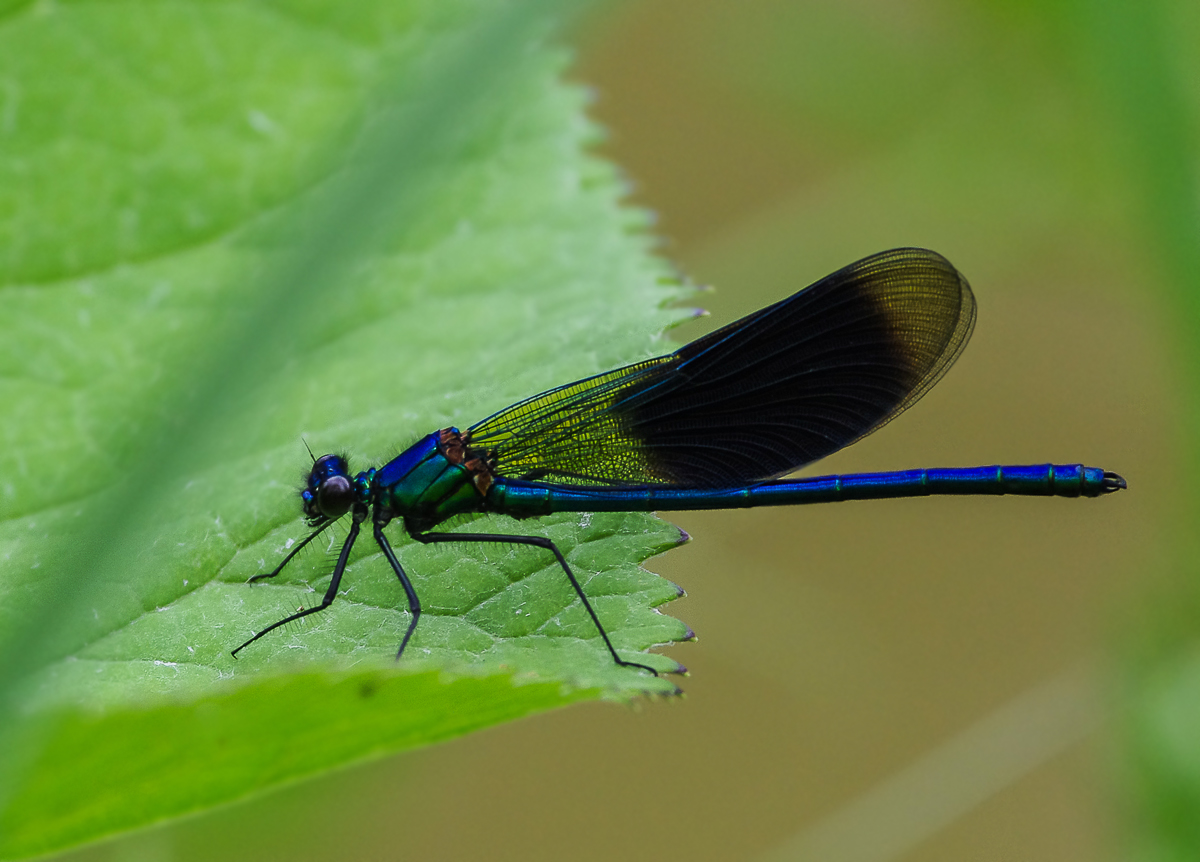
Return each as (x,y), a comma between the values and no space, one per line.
(918,679)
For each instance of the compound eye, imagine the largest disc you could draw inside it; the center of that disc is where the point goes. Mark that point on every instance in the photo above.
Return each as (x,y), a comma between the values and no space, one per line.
(329,465)
(335,496)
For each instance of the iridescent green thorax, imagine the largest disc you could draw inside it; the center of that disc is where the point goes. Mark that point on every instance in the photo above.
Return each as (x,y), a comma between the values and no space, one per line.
(363,483)
(433,481)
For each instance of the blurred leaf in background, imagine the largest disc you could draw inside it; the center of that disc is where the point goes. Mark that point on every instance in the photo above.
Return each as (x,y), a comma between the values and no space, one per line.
(227,227)
(1144,70)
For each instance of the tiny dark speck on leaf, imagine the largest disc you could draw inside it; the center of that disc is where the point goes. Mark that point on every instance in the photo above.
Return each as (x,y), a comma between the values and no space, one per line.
(367,689)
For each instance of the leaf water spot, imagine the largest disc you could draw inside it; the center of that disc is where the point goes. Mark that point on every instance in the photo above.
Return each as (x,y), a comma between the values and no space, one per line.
(585,520)
(261,123)
(129,221)
(195,217)
(84,318)
(158,293)
(185,582)
(287,546)
(191,650)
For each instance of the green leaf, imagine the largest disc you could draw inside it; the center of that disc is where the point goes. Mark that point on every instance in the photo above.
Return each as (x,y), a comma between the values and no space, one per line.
(228,227)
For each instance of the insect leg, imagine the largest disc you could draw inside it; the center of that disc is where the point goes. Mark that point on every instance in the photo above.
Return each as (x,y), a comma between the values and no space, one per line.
(329,593)
(414,604)
(292,553)
(537,542)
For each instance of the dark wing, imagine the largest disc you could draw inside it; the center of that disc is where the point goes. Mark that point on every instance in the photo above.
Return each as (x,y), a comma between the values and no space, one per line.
(758,398)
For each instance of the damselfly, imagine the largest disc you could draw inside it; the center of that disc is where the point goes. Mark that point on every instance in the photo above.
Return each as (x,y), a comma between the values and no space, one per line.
(711,426)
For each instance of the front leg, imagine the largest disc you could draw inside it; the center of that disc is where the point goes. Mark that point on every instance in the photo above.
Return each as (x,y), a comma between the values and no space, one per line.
(301,546)
(334,582)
